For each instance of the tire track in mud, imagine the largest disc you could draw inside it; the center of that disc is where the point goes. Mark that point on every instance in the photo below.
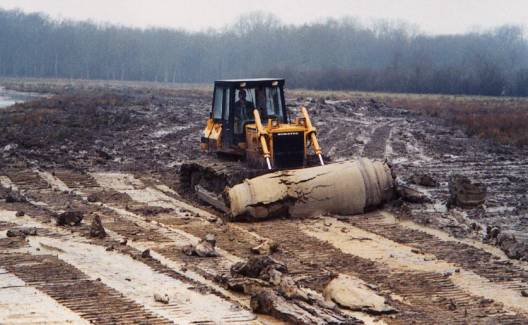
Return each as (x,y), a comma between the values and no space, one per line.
(187,295)
(209,268)
(307,255)
(485,264)
(235,314)
(456,298)
(232,241)
(92,300)
(375,148)
(38,307)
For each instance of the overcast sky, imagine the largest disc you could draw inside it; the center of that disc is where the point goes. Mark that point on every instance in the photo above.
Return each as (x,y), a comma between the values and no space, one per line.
(431,16)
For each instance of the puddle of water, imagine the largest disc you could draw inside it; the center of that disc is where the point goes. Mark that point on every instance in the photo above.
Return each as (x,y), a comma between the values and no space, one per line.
(11,97)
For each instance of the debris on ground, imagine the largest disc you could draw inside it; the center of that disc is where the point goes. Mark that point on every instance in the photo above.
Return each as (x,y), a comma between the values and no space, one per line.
(21,232)
(424,180)
(14,197)
(70,218)
(164,299)
(150,210)
(356,295)
(464,193)
(267,247)
(412,195)
(92,198)
(204,248)
(146,254)
(20,213)
(274,292)
(97,229)
(258,267)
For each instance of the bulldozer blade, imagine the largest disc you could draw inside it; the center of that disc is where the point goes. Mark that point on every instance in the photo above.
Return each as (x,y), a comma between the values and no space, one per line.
(341,188)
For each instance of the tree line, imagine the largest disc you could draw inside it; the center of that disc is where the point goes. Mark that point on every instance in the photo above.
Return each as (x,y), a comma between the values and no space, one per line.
(329,54)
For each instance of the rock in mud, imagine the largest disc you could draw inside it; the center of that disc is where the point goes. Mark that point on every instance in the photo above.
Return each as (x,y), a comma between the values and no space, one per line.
(164,299)
(14,197)
(265,248)
(70,218)
(424,180)
(263,301)
(492,232)
(356,295)
(204,248)
(464,193)
(92,198)
(97,229)
(146,253)
(21,232)
(20,214)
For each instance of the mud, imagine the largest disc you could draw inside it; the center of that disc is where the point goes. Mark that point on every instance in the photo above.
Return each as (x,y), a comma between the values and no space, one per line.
(111,153)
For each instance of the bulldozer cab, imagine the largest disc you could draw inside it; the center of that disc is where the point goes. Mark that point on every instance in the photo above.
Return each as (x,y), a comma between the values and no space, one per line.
(235,100)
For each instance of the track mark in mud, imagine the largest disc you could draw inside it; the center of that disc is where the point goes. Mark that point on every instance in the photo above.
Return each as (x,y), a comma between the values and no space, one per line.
(487,262)
(307,255)
(159,235)
(208,268)
(402,257)
(23,304)
(375,148)
(92,300)
(75,180)
(136,280)
(140,283)
(26,179)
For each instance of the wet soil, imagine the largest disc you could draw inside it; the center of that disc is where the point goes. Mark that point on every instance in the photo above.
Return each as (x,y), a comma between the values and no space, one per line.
(114,151)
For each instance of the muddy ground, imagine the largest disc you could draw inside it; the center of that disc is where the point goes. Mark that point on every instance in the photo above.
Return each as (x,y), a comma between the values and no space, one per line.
(113,150)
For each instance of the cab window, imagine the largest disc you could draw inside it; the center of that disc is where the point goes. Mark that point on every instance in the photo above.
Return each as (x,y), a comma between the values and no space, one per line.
(227,96)
(218,100)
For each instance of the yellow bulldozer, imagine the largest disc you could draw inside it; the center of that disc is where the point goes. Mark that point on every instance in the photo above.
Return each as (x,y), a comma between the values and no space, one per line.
(259,164)
(249,119)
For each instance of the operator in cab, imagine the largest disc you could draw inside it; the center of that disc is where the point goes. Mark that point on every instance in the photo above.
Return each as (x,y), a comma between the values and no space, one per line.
(244,107)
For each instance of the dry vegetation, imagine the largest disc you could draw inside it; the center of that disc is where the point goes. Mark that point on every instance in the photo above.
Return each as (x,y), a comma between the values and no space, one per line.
(501,119)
